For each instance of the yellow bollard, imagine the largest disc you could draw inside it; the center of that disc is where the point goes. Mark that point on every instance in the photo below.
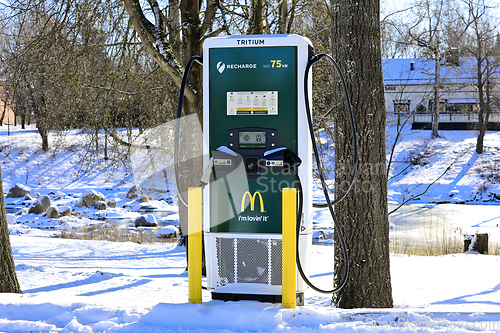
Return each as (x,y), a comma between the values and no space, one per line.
(194,244)
(289,216)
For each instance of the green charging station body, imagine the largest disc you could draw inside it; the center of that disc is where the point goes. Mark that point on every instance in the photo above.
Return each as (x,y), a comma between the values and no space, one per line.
(254,123)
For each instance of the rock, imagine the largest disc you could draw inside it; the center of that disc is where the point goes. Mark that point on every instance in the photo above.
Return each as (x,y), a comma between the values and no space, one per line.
(36,195)
(147,220)
(19,229)
(11,219)
(111,203)
(56,195)
(40,206)
(168,232)
(65,210)
(36,209)
(133,193)
(18,191)
(53,212)
(89,198)
(28,197)
(45,201)
(23,211)
(142,198)
(101,205)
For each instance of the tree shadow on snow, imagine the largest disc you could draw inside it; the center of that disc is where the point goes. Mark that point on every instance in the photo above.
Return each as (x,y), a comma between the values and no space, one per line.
(463,299)
(95,278)
(109,290)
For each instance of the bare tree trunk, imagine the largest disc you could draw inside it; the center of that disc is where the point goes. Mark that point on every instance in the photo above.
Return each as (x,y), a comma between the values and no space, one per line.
(3,113)
(23,117)
(363,213)
(484,95)
(191,149)
(283,15)
(437,106)
(41,124)
(29,111)
(96,127)
(255,26)
(106,157)
(8,276)
(173,24)
(482,106)
(42,130)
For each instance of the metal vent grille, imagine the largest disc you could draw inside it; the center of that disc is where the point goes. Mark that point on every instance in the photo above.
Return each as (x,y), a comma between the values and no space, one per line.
(247,260)
(276,260)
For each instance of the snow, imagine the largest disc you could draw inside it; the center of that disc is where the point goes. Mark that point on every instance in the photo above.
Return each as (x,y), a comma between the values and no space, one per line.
(98,286)
(92,286)
(166,231)
(23,187)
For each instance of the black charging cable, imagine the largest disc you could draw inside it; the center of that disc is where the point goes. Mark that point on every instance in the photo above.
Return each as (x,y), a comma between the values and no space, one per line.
(311,62)
(329,203)
(199,60)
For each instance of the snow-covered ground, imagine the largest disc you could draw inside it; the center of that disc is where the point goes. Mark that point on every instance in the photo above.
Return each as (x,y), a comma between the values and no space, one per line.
(91,286)
(460,174)
(97,286)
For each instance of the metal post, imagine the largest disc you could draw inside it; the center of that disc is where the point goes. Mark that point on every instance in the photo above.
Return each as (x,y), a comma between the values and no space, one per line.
(289,214)
(194,244)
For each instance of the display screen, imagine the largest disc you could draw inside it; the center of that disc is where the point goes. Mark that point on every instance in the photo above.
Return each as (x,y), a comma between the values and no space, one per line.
(252,139)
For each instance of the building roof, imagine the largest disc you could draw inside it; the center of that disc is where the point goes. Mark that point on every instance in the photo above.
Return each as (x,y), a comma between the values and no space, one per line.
(401,71)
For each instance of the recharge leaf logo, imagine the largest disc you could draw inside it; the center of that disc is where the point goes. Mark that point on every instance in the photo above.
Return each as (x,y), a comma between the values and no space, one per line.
(221,66)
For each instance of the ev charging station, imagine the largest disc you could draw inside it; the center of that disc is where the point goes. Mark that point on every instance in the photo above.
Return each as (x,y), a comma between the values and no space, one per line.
(258,146)
(255,131)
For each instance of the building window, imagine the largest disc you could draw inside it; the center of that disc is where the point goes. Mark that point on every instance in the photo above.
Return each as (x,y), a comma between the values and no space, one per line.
(402,106)
(461,106)
(442,104)
(421,109)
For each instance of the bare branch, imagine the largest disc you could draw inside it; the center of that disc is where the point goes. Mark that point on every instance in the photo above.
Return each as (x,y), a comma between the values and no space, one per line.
(430,185)
(155,44)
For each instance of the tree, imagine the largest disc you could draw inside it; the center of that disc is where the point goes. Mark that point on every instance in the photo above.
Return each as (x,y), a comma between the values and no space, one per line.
(32,58)
(8,277)
(363,213)
(159,27)
(480,44)
(428,32)
(433,28)
(158,38)
(77,64)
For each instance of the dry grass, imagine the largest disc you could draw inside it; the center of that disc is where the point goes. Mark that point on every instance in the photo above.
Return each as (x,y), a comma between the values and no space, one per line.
(111,233)
(445,243)
(494,248)
(449,241)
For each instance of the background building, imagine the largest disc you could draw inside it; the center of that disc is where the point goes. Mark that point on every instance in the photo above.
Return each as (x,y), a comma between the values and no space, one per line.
(409,92)
(5,107)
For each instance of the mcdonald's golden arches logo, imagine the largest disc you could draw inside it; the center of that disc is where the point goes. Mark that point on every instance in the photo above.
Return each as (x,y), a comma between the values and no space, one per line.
(251,198)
